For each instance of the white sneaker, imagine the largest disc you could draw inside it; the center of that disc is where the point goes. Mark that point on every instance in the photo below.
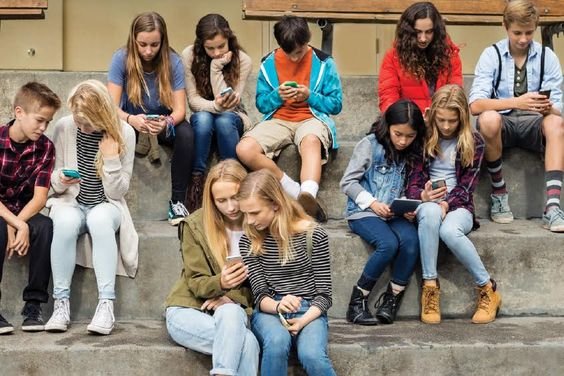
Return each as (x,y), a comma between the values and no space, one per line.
(60,319)
(103,320)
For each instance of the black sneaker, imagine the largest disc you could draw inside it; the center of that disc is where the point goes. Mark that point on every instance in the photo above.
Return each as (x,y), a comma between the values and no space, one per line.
(33,320)
(5,326)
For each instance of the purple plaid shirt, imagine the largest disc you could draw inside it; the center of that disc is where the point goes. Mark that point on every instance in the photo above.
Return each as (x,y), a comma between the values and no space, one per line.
(21,172)
(460,196)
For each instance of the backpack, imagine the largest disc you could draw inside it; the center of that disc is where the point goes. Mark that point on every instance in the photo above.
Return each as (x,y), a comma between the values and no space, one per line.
(498,78)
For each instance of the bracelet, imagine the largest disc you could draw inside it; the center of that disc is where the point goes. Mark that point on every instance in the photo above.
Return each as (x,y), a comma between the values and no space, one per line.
(277,305)
(127,118)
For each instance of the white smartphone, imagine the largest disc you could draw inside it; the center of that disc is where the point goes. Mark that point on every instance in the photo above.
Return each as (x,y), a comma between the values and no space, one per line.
(232,260)
(227,90)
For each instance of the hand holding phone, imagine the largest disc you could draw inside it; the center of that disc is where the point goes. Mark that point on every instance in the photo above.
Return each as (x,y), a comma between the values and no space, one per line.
(232,260)
(546,93)
(291,84)
(438,183)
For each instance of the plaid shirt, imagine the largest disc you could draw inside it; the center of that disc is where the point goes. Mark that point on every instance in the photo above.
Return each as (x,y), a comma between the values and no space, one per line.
(460,196)
(21,172)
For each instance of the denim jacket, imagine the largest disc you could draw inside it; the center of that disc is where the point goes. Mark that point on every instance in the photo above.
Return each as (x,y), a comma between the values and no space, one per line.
(488,66)
(325,98)
(370,177)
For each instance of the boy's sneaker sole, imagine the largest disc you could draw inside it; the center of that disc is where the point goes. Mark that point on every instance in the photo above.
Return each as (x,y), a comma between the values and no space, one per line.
(99,330)
(6,330)
(502,220)
(553,228)
(33,328)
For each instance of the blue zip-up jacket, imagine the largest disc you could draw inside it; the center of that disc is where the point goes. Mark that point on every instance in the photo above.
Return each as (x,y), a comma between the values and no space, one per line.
(370,177)
(325,98)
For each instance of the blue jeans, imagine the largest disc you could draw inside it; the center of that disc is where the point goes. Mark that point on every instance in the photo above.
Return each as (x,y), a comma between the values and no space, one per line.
(234,349)
(393,241)
(69,222)
(452,231)
(276,341)
(227,127)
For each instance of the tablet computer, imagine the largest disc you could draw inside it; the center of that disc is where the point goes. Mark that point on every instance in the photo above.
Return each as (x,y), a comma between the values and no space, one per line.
(400,206)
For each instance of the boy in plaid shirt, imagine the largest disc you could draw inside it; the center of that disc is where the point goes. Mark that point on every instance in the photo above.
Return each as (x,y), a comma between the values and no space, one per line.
(27,158)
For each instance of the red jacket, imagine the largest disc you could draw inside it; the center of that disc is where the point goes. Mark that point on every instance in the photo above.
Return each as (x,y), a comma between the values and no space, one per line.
(394,83)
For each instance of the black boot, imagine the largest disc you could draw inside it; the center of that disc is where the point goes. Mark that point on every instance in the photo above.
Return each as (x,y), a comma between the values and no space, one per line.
(388,306)
(358,312)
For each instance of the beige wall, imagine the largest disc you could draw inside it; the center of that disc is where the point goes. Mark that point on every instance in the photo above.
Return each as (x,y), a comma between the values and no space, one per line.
(81,35)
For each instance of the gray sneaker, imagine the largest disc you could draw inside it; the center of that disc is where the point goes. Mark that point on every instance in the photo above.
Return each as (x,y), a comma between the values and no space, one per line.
(500,211)
(60,319)
(554,220)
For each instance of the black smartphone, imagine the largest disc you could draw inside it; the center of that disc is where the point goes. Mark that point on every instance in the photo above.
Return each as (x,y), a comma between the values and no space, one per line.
(438,183)
(546,93)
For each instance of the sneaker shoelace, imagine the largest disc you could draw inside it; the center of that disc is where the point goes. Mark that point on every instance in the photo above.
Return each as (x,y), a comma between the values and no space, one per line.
(104,312)
(60,313)
(179,209)
(385,300)
(32,311)
(432,299)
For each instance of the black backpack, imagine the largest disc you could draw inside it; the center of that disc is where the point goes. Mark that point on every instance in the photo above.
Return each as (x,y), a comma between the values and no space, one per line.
(498,78)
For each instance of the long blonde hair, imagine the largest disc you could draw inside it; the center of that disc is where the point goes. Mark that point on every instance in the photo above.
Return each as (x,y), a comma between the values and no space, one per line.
(230,171)
(147,22)
(451,97)
(289,218)
(90,103)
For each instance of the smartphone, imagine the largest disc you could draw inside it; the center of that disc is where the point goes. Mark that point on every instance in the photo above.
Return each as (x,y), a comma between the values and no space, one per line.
(152,117)
(227,90)
(291,84)
(546,93)
(283,320)
(69,173)
(438,183)
(232,260)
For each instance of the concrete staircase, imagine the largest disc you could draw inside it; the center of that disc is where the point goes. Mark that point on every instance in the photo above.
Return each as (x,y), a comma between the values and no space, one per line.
(525,260)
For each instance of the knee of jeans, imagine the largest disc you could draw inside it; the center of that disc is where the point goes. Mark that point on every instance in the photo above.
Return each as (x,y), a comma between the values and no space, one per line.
(429,214)
(251,346)
(227,122)
(277,343)
(230,312)
(448,233)
(66,224)
(43,223)
(312,357)
(96,223)
(201,118)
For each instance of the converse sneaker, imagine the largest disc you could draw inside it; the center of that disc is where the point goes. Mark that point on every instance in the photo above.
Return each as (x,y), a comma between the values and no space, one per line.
(554,220)
(176,212)
(430,304)
(489,302)
(500,211)
(33,319)
(60,319)
(103,320)
(5,326)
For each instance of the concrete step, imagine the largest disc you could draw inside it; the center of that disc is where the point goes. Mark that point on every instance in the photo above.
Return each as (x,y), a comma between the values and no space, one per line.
(510,346)
(523,172)
(524,259)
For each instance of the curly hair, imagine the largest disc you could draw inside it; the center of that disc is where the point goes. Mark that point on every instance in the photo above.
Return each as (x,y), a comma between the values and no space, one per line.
(403,111)
(208,27)
(423,63)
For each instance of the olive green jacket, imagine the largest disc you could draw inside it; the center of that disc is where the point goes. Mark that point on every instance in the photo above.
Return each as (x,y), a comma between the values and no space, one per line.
(200,275)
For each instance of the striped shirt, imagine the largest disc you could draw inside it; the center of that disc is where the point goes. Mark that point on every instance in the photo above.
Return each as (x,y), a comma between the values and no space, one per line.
(304,277)
(91,188)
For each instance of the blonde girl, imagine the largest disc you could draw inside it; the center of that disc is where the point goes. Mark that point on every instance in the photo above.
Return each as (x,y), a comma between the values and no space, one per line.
(291,284)
(98,148)
(453,155)
(208,306)
(146,77)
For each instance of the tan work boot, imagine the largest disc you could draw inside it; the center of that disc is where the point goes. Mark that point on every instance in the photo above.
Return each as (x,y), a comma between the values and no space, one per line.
(430,304)
(489,302)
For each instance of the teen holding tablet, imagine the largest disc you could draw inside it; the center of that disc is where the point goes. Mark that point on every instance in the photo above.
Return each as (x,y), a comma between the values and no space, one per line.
(375,177)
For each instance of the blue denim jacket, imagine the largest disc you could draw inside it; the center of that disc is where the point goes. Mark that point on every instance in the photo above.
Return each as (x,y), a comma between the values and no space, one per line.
(369,176)
(487,71)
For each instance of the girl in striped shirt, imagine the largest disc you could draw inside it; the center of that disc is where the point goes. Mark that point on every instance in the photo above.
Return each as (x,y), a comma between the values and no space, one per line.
(93,166)
(287,254)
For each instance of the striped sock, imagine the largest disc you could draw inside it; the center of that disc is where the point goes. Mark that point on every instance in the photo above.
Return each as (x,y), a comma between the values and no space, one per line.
(496,178)
(553,180)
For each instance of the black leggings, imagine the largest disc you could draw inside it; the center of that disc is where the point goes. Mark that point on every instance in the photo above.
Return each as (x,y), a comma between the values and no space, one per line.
(182,156)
